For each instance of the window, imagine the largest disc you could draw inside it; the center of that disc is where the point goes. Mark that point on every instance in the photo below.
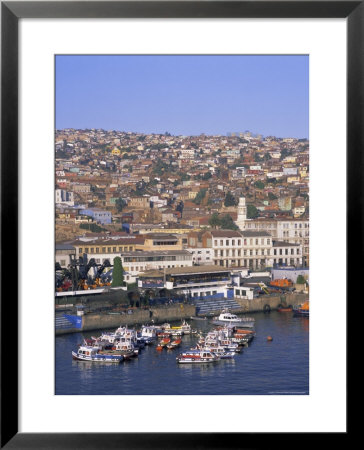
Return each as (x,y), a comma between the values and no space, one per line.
(238,241)
(233,242)
(221,242)
(86,250)
(237,291)
(80,250)
(109,249)
(114,249)
(103,249)
(215,242)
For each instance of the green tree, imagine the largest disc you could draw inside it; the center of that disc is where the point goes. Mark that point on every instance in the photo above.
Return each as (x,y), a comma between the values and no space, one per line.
(300,279)
(214,220)
(200,196)
(259,184)
(92,227)
(251,212)
(227,223)
(120,203)
(117,273)
(271,196)
(229,199)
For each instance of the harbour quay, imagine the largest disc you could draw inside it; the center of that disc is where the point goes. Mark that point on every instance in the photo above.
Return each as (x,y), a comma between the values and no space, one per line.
(80,318)
(81,321)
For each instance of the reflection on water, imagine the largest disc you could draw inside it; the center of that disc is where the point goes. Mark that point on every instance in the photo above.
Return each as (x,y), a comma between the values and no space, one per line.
(262,368)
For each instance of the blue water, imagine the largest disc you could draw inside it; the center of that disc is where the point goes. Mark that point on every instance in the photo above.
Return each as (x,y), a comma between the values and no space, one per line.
(279,367)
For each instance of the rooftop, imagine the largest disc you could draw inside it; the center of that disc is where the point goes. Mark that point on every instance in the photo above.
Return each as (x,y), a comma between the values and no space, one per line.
(187,271)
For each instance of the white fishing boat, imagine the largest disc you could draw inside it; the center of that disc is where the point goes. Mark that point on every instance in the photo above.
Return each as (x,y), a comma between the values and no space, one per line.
(219,351)
(232,319)
(126,349)
(149,332)
(87,353)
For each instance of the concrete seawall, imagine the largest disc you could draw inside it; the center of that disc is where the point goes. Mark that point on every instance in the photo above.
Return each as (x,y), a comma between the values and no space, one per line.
(272,301)
(178,312)
(142,316)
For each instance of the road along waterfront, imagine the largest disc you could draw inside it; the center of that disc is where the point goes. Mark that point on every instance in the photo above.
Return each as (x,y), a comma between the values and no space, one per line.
(277,367)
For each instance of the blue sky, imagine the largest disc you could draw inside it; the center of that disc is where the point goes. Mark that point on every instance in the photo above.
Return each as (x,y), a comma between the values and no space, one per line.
(184,95)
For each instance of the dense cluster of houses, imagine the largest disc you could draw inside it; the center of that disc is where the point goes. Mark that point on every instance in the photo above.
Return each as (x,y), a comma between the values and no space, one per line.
(163,202)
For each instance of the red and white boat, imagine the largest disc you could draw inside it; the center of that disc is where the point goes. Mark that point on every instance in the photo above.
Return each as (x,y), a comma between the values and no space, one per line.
(197,357)
(174,344)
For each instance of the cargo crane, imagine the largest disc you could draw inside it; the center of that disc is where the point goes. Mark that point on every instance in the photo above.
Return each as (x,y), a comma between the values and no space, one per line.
(79,269)
(76,276)
(98,281)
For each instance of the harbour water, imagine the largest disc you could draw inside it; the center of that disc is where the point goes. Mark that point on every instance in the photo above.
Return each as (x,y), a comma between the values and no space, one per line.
(279,367)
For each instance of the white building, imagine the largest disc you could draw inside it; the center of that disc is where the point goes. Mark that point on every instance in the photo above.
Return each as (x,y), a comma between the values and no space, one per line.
(138,262)
(65,197)
(290,230)
(201,256)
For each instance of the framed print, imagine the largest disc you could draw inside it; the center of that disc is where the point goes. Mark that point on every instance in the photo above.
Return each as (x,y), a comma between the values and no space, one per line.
(148,99)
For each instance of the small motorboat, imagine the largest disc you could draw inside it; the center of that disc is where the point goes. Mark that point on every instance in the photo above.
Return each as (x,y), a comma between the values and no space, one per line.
(284,308)
(226,318)
(164,342)
(302,310)
(174,344)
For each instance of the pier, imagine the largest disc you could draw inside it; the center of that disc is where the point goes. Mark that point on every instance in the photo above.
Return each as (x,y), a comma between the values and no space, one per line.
(71,323)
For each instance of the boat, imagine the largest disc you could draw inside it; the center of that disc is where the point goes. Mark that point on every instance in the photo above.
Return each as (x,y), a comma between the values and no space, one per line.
(232,319)
(221,352)
(185,328)
(302,310)
(284,309)
(176,332)
(149,333)
(174,344)
(197,357)
(87,353)
(163,335)
(126,349)
(198,318)
(164,342)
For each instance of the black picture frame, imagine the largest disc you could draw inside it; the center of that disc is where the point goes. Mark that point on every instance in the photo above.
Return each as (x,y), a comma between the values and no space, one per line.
(11,12)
